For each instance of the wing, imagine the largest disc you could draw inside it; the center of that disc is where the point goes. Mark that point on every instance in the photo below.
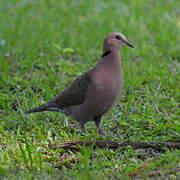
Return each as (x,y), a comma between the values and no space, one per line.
(75,94)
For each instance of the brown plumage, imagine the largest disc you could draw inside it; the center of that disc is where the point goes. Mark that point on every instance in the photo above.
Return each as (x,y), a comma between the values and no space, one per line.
(95,92)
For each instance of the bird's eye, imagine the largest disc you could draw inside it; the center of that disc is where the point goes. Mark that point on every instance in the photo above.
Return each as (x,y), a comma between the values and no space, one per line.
(118,37)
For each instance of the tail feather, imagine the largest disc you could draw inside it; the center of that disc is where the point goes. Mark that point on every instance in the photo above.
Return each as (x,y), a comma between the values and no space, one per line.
(43,107)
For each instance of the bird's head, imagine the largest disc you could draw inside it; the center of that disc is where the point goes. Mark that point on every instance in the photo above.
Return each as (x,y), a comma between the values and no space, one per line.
(116,40)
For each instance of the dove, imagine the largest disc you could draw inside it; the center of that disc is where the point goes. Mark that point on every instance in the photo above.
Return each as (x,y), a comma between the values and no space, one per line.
(96,91)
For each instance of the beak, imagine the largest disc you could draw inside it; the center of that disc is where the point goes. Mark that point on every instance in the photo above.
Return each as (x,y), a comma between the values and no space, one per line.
(130,45)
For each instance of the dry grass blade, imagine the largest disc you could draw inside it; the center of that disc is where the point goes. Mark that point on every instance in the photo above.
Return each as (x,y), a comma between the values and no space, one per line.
(115,144)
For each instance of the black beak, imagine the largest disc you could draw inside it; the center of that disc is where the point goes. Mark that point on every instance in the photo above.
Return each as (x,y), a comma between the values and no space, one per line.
(130,45)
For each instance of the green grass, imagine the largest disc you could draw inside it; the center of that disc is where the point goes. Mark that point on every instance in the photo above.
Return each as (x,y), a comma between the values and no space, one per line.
(45,44)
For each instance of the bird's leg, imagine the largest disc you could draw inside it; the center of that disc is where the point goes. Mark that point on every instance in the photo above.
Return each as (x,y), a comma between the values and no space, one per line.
(97,121)
(83,127)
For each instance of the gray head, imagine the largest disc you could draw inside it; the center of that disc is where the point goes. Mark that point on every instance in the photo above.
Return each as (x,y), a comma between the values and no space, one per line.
(116,40)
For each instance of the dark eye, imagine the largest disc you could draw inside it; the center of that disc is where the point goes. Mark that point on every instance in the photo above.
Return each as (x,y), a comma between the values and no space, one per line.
(118,37)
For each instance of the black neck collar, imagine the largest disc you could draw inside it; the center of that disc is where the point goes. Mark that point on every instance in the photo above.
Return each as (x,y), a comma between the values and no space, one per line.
(106,53)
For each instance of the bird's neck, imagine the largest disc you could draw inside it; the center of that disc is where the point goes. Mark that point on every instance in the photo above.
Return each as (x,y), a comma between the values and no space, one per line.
(114,54)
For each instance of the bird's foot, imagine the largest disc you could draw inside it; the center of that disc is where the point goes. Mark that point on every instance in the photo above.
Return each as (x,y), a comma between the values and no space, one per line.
(84,131)
(101,132)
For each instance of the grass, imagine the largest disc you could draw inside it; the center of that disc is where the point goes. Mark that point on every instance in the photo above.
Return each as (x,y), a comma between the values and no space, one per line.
(45,44)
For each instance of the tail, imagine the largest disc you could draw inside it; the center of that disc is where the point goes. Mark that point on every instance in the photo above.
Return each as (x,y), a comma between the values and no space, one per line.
(43,107)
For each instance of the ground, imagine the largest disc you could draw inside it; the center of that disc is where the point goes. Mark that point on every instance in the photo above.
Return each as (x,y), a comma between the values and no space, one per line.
(45,44)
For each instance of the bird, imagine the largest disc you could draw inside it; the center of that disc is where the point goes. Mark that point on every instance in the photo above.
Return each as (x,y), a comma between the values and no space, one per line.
(95,92)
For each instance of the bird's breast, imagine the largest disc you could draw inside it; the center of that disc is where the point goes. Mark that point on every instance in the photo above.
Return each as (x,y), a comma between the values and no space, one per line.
(106,89)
